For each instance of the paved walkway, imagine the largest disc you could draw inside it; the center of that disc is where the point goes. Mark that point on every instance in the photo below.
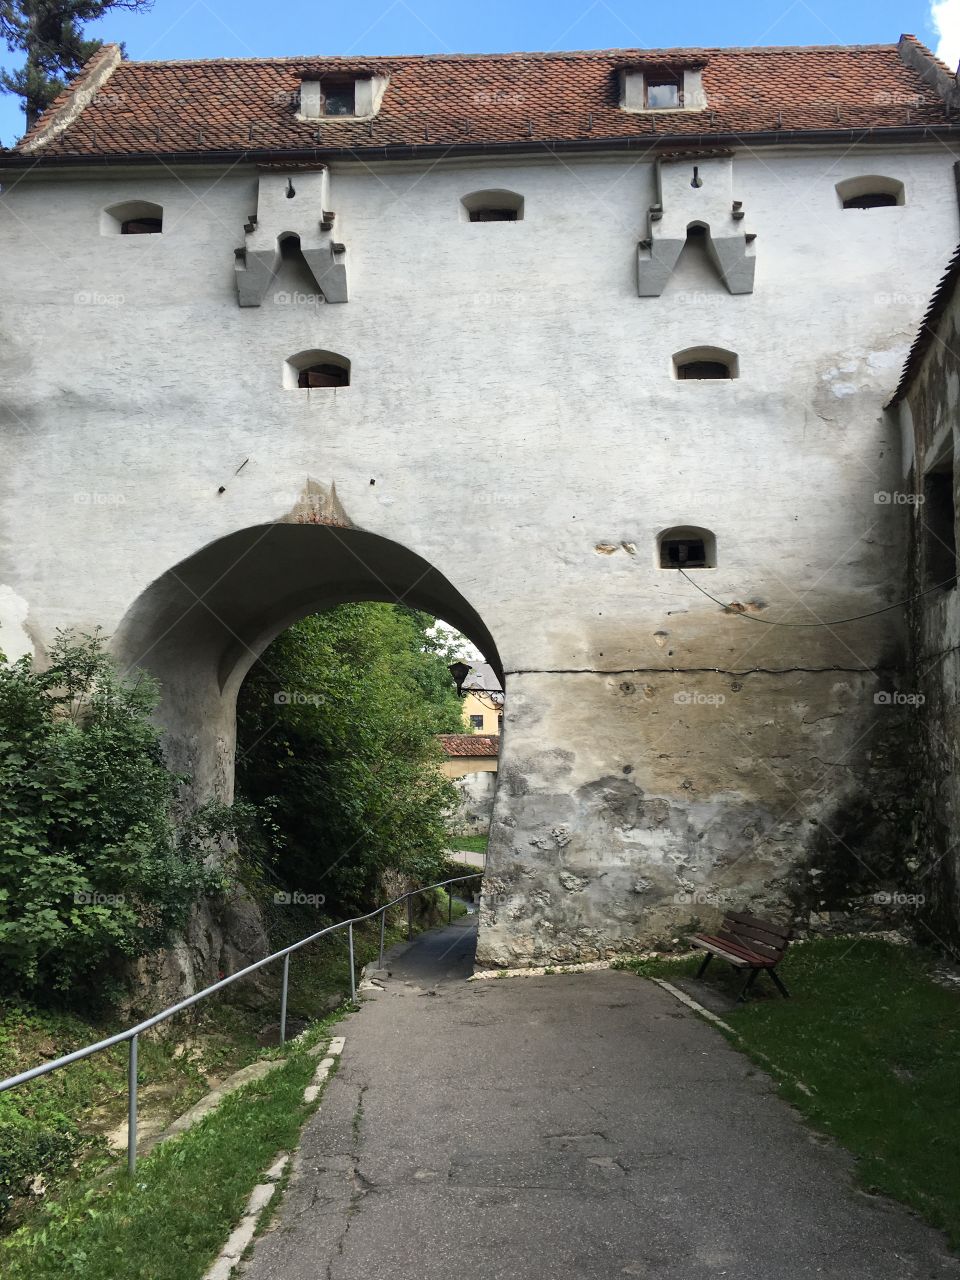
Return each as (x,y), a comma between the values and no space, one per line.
(563,1127)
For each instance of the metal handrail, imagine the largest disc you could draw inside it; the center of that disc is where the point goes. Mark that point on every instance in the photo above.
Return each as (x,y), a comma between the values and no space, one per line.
(133,1033)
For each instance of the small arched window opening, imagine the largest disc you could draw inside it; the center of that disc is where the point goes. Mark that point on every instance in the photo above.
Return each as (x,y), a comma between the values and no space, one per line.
(705,363)
(493,206)
(132,218)
(316,369)
(687,547)
(871,193)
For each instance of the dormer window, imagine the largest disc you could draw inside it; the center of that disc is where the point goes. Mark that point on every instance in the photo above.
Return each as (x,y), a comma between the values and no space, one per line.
(663,91)
(662,88)
(339,96)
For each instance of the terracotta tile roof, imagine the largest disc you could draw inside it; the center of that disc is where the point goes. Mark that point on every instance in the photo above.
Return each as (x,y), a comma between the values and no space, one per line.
(469,744)
(467,101)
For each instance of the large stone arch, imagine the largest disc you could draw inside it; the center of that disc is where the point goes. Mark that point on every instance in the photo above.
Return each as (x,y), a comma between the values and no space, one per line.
(201,625)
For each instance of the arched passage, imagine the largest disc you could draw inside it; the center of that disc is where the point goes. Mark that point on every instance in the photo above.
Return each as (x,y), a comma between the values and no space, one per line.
(201,625)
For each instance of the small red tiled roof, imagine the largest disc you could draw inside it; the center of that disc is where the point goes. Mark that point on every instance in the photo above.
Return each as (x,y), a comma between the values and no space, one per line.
(469,744)
(466,101)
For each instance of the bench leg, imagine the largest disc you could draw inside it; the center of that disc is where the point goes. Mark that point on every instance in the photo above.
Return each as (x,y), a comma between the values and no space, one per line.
(779,983)
(754,974)
(703,967)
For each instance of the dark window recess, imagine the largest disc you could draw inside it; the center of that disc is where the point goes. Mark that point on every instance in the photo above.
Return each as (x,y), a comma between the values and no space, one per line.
(324,375)
(703,369)
(477,721)
(663,90)
(683,553)
(340,99)
(873,200)
(493,215)
(938,522)
(141,227)
(500,722)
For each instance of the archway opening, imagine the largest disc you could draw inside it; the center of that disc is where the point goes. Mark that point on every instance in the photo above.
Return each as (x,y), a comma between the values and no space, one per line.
(349,738)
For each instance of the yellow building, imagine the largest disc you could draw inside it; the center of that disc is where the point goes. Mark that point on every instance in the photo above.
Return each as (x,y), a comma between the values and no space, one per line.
(482,700)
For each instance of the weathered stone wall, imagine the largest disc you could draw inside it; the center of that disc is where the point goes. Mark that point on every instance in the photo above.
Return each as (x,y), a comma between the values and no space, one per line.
(929,418)
(513,435)
(475,808)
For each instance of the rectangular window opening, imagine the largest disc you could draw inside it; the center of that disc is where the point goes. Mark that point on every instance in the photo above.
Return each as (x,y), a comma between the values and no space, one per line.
(663,91)
(494,215)
(683,553)
(477,722)
(938,521)
(339,98)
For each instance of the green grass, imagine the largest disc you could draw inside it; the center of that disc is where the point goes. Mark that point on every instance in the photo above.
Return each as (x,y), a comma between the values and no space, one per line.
(877,1043)
(468,844)
(171,1219)
(56,1125)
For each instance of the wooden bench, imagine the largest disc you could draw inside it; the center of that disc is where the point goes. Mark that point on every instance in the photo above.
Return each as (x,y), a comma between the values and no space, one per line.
(746,943)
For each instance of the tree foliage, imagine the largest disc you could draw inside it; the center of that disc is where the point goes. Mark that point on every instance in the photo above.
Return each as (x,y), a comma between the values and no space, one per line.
(336,731)
(90,868)
(50,34)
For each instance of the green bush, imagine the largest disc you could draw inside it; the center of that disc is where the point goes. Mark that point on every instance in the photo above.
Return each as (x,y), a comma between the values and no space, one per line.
(90,868)
(337,728)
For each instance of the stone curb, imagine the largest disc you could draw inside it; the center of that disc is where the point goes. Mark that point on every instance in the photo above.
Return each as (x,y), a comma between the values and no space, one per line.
(774,1070)
(588,966)
(693,1004)
(261,1195)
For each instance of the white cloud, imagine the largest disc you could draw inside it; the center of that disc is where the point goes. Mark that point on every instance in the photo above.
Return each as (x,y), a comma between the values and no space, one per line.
(946,21)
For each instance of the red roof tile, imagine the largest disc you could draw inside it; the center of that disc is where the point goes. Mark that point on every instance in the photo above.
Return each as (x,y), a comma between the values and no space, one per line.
(469,744)
(466,101)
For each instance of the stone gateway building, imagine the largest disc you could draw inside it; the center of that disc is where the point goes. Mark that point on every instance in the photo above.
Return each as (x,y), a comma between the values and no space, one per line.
(256,315)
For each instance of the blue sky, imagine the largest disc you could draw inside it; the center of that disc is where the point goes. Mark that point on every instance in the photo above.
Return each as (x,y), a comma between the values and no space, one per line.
(251,28)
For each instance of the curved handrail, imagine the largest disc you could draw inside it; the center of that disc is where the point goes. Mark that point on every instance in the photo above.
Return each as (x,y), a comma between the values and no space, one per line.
(131,1033)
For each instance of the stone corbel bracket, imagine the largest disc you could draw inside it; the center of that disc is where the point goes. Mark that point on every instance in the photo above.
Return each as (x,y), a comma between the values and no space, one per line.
(291,204)
(696,192)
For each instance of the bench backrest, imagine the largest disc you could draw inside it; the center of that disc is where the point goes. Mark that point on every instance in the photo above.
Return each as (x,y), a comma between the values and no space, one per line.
(760,936)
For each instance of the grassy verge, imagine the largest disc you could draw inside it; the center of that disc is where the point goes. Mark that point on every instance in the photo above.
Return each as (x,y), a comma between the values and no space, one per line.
(55,1128)
(877,1043)
(171,1219)
(468,844)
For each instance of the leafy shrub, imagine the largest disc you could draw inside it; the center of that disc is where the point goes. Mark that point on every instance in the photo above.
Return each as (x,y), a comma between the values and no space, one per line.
(90,867)
(336,731)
